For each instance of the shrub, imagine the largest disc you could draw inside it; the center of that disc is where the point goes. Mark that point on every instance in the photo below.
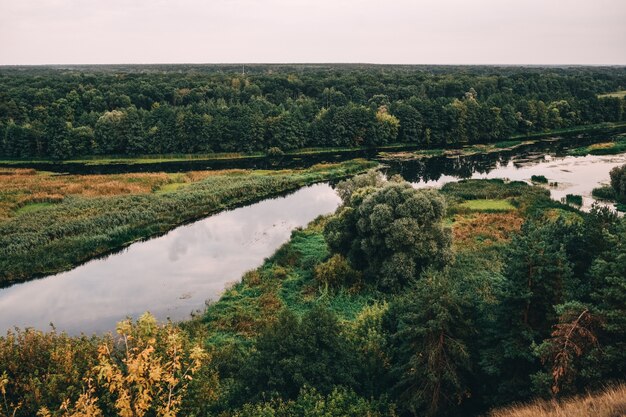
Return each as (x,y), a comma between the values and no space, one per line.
(618,182)
(603,193)
(275,151)
(574,199)
(539,179)
(336,272)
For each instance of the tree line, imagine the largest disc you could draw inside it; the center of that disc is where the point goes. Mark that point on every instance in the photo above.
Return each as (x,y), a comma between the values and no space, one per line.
(59,113)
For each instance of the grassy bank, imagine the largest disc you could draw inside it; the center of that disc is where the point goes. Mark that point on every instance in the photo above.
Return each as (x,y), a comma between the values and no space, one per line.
(519,141)
(511,143)
(613,147)
(87,216)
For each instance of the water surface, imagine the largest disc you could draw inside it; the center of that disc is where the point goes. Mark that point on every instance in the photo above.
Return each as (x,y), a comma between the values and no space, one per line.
(171,276)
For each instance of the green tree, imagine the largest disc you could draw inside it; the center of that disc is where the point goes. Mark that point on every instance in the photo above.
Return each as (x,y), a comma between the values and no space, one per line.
(392,233)
(293,353)
(429,343)
(537,274)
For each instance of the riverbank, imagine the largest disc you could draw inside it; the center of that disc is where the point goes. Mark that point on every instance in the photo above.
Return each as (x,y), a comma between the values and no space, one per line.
(84,226)
(300,158)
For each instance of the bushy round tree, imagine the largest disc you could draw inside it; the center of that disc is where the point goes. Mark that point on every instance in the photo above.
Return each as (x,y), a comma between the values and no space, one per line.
(391,233)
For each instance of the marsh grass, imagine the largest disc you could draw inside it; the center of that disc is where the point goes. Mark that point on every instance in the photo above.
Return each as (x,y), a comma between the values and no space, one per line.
(488,205)
(99,214)
(609,403)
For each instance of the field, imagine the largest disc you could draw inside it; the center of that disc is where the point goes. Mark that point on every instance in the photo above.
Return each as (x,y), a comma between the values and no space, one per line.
(92,215)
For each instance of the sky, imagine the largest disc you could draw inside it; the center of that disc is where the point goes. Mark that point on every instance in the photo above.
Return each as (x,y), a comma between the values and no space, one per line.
(551,32)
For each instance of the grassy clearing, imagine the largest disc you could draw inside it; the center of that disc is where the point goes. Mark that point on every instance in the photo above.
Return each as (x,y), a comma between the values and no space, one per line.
(29,208)
(88,221)
(610,403)
(488,205)
(615,94)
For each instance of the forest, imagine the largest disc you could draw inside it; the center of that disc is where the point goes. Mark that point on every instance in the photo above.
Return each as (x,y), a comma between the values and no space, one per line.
(66,112)
(404,302)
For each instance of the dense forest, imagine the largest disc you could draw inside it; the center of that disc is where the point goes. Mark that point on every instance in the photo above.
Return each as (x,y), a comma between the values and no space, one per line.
(64,112)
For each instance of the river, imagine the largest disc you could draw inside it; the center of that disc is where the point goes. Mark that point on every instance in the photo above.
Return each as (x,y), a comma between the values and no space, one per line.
(175,274)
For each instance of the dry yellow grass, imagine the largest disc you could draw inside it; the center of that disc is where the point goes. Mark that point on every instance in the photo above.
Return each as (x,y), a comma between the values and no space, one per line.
(485,228)
(610,403)
(603,145)
(20,187)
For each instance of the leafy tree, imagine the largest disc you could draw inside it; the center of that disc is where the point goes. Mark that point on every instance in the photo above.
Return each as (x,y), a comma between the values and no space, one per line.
(618,182)
(293,353)
(392,233)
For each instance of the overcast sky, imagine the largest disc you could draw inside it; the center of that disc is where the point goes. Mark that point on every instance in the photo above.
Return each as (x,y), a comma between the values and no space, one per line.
(381,31)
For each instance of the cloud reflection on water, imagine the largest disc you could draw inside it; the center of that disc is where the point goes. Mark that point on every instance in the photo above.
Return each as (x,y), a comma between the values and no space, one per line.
(170,276)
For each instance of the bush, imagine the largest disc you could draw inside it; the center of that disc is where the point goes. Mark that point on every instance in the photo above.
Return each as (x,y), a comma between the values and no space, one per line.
(275,151)
(618,182)
(603,193)
(293,353)
(336,272)
(539,179)
(574,199)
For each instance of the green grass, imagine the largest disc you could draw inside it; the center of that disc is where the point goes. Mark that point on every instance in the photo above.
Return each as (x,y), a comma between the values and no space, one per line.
(489,205)
(168,188)
(79,228)
(32,207)
(615,147)
(507,144)
(285,280)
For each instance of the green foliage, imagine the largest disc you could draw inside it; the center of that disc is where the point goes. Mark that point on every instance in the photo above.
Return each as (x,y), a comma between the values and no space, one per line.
(540,179)
(345,189)
(310,403)
(608,275)
(391,233)
(293,353)
(618,182)
(603,193)
(336,272)
(430,329)
(56,113)
(574,199)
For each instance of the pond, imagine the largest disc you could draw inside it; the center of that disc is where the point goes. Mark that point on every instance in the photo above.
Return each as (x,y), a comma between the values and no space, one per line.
(173,275)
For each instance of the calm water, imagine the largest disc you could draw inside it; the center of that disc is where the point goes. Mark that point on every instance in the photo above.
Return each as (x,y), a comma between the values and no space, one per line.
(172,275)
(574,175)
